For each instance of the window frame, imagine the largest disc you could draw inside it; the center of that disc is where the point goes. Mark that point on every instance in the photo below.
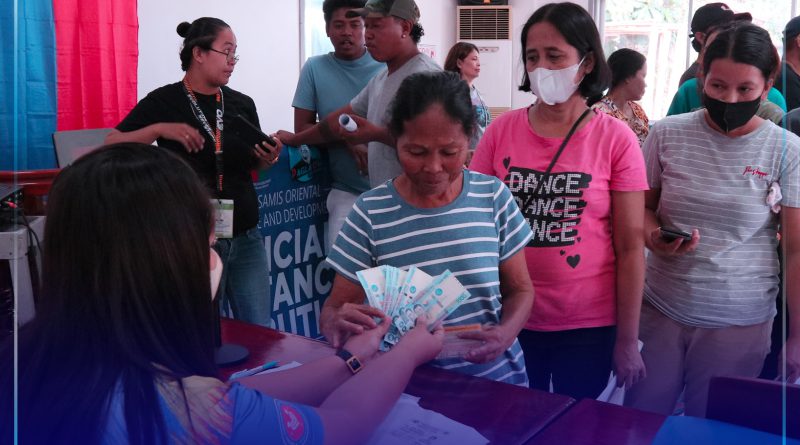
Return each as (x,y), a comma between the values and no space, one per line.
(597,9)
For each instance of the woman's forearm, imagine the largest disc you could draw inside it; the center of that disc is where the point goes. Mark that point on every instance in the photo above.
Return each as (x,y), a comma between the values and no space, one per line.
(308,384)
(630,282)
(144,135)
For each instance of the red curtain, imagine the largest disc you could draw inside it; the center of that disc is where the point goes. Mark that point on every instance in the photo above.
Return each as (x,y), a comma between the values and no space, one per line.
(97,52)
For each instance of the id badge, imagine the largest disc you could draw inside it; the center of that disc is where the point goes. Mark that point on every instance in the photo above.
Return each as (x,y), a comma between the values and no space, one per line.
(223,221)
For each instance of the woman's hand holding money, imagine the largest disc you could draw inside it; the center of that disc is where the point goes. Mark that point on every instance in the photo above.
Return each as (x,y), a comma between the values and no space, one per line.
(420,344)
(496,340)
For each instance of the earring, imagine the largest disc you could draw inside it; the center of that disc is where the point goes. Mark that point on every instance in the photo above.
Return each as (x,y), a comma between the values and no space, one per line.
(403,36)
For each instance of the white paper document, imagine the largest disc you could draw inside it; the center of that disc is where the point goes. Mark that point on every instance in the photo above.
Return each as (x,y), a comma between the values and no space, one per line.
(612,394)
(410,424)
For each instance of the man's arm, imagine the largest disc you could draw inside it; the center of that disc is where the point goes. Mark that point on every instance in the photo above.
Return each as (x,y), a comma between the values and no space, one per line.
(323,132)
(304,119)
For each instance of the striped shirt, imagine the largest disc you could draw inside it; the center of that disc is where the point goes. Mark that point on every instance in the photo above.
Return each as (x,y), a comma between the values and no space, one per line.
(471,236)
(719,185)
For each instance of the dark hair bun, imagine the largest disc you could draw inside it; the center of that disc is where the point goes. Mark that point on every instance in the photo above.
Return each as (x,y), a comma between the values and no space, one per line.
(183,29)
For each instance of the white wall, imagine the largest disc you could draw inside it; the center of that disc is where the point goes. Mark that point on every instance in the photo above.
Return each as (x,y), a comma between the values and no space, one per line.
(438,18)
(268,38)
(268,34)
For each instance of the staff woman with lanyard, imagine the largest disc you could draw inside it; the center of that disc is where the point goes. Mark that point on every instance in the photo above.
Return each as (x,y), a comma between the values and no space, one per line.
(189,118)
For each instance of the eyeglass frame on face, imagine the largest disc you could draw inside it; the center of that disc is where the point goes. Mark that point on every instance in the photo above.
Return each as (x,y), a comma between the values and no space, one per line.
(229,56)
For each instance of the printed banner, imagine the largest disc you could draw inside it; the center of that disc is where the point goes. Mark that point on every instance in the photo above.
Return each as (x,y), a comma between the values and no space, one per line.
(293,220)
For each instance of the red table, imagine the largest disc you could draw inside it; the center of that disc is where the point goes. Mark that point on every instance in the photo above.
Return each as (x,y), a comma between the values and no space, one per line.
(590,422)
(504,414)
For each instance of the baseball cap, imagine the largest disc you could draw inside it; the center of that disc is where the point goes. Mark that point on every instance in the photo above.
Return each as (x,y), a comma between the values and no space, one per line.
(715,14)
(792,28)
(404,9)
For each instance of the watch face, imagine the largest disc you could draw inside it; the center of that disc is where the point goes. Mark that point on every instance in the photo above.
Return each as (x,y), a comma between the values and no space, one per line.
(354,364)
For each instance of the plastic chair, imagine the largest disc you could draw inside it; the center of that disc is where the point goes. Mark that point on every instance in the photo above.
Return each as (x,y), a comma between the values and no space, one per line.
(71,145)
(755,403)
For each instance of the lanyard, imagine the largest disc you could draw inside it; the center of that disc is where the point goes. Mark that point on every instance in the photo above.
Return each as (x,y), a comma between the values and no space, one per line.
(216,136)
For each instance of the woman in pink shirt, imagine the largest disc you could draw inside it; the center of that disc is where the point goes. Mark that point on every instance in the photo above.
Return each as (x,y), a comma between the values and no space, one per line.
(585,205)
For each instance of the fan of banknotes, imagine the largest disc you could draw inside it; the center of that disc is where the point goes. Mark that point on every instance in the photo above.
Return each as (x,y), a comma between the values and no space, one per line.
(405,295)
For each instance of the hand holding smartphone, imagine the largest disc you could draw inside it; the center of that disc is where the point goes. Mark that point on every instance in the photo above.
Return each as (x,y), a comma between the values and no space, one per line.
(670,234)
(249,133)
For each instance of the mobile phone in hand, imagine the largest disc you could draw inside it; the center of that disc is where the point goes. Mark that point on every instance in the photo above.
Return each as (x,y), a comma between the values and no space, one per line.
(249,133)
(670,234)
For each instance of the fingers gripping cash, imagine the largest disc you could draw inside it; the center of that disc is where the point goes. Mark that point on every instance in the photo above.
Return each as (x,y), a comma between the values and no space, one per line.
(406,295)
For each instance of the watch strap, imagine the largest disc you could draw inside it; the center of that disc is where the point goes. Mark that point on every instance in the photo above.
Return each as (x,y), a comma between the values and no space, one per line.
(352,362)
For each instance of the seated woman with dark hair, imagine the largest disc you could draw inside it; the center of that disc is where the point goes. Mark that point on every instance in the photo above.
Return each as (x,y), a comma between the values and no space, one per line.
(122,351)
(439,216)
(628,70)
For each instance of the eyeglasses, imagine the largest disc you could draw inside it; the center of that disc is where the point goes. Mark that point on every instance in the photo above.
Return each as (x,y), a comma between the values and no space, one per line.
(232,57)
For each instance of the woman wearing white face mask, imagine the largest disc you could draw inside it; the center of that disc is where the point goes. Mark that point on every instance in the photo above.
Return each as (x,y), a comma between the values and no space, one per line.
(578,176)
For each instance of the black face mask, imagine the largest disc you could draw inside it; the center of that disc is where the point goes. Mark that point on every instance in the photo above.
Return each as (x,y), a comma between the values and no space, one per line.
(730,116)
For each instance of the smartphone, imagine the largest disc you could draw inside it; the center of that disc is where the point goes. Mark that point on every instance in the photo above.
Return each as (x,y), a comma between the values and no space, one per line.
(671,234)
(249,133)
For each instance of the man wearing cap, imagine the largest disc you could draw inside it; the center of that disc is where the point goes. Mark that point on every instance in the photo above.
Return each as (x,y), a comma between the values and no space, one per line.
(328,82)
(392,34)
(790,67)
(705,19)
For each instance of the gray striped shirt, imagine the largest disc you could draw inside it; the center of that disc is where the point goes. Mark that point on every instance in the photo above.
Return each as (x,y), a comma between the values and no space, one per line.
(719,185)
(471,236)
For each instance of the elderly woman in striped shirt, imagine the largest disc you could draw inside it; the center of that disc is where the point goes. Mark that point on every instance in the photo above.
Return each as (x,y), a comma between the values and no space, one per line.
(437,216)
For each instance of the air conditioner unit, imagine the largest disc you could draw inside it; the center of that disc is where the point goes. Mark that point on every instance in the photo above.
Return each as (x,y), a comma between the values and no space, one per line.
(481,2)
(489,28)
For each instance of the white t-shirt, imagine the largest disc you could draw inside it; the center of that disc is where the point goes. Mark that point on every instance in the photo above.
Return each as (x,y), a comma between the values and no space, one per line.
(373,102)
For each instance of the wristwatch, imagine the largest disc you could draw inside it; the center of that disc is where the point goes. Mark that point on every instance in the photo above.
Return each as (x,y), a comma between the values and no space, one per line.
(352,362)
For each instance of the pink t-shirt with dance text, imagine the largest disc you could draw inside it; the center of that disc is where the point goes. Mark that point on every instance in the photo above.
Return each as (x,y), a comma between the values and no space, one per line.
(570,257)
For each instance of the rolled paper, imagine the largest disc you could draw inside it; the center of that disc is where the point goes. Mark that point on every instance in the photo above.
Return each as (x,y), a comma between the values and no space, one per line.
(348,123)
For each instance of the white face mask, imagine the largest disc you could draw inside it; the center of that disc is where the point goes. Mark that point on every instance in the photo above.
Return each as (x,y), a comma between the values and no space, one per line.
(554,86)
(215,273)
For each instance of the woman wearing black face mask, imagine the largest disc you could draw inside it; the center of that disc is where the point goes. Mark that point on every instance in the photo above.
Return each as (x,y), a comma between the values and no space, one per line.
(710,301)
